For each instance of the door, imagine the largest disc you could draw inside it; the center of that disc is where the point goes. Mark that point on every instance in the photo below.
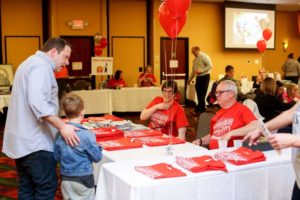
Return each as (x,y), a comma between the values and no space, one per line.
(175,50)
(79,67)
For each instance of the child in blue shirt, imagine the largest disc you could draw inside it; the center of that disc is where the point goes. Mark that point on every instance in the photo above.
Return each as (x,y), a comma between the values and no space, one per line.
(76,162)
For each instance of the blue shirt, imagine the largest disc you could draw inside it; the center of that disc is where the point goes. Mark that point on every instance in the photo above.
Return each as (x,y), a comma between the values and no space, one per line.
(34,96)
(77,160)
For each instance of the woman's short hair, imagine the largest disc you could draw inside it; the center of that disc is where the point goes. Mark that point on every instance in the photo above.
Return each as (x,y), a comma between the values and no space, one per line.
(170,84)
(268,86)
(72,105)
(118,74)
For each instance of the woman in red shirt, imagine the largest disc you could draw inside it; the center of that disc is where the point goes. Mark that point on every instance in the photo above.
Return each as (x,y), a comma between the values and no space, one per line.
(165,113)
(117,81)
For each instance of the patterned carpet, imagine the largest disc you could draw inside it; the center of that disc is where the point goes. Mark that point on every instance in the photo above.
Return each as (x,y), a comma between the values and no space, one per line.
(8,175)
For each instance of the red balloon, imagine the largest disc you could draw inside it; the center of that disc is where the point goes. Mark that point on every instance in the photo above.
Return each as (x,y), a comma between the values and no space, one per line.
(178,7)
(267,34)
(98,50)
(172,25)
(261,45)
(103,42)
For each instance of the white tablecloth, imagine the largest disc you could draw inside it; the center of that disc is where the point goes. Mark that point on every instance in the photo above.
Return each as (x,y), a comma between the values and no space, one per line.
(269,180)
(145,152)
(96,101)
(124,100)
(4,101)
(133,99)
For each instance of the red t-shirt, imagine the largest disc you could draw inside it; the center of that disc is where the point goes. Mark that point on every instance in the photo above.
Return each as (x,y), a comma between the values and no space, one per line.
(146,82)
(63,73)
(163,120)
(113,83)
(225,120)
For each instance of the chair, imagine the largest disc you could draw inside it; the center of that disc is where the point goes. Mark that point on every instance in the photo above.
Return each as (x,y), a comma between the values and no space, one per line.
(80,85)
(204,124)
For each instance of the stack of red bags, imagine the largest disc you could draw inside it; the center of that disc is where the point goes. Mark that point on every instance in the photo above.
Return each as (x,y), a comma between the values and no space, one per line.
(160,170)
(159,141)
(201,163)
(241,156)
(107,133)
(124,143)
(142,133)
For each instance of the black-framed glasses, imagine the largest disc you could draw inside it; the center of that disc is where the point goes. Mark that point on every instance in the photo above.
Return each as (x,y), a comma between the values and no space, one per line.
(168,92)
(219,93)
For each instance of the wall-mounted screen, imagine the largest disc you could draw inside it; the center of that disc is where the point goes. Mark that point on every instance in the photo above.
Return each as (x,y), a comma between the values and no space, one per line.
(244,27)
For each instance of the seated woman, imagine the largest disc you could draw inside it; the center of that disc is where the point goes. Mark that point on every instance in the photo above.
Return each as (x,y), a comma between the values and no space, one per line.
(147,78)
(165,113)
(268,103)
(260,78)
(291,94)
(117,81)
(279,90)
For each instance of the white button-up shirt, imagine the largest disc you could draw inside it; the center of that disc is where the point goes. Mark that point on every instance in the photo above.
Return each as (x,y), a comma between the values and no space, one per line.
(34,96)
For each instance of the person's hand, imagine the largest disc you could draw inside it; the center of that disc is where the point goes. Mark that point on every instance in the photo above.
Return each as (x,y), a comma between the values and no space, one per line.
(68,132)
(162,106)
(197,71)
(196,142)
(258,79)
(253,137)
(281,141)
(226,136)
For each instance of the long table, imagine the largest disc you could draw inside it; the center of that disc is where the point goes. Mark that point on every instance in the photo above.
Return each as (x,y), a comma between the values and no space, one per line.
(272,179)
(145,152)
(4,101)
(124,100)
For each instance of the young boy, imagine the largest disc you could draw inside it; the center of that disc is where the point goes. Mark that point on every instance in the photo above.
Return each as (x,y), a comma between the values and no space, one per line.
(76,162)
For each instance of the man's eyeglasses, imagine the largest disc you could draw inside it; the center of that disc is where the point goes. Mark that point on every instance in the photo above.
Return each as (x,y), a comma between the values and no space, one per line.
(219,93)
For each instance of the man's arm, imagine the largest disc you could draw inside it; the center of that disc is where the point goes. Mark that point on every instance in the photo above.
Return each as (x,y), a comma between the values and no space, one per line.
(181,133)
(66,130)
(242,131)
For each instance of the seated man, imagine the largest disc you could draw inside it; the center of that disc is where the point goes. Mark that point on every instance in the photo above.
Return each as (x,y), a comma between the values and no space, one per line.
(147,78)
(229,75)
(233,119)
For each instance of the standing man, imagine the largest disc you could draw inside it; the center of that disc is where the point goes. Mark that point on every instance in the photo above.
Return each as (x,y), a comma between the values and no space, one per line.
(32,121)
(202,66)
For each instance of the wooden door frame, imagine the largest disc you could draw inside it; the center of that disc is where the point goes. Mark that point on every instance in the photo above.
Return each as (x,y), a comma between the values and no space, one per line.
(186,52)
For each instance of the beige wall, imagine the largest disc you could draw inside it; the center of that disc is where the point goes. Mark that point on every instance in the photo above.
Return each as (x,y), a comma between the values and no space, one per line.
(20,19)
(128,22)
(204,27)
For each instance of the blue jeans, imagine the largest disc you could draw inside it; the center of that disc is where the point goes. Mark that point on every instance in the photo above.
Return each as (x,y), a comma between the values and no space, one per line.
(296,192)
(37,176)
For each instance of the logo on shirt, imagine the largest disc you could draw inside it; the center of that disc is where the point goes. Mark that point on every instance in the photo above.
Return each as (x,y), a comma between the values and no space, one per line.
(222,126)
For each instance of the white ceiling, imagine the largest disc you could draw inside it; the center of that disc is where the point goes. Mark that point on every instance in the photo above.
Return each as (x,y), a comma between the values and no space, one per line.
(289,5)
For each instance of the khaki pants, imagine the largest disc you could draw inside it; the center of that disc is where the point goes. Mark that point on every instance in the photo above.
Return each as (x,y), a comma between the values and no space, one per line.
(72,190)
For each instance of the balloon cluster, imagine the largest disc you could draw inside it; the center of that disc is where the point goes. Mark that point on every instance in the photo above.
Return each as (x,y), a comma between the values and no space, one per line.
(262,44)
(100,44)
(172,16)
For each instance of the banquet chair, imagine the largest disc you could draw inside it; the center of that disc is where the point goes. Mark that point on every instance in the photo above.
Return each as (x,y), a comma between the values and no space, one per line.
(80,85)
(204,124)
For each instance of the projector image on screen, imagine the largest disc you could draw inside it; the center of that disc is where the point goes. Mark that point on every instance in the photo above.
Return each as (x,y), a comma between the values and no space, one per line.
(244,27)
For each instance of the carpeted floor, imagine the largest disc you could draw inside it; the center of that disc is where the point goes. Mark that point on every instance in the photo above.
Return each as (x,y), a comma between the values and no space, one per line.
(8,175)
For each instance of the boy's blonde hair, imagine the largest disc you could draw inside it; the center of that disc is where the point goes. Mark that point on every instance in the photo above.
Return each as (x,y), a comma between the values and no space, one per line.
(72,104)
